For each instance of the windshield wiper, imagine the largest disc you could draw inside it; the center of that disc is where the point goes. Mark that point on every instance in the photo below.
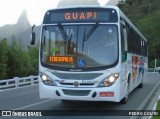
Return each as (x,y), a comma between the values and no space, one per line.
(88,35)
(65,37)
(69,43)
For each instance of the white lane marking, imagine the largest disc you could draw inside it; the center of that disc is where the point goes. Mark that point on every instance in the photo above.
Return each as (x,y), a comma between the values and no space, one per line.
(34,104)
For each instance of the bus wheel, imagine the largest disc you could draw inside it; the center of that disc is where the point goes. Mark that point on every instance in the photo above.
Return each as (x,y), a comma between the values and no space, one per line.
(125,99)
(141,84)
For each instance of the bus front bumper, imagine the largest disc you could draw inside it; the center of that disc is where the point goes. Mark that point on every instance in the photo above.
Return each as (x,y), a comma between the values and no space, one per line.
(83,94)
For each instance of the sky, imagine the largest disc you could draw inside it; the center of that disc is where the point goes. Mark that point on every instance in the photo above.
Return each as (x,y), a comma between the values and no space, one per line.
(10,10)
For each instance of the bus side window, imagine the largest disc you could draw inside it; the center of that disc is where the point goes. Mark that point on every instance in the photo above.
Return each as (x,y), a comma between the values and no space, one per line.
(124,54)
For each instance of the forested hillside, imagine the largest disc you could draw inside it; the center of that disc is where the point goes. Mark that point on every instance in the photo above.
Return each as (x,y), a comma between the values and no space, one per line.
(145,14)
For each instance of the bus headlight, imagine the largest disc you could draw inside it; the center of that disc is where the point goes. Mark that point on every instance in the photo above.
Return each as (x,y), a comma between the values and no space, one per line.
(46,80)
(109,80)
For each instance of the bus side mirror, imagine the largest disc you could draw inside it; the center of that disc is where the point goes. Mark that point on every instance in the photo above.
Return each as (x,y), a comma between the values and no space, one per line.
(33,38)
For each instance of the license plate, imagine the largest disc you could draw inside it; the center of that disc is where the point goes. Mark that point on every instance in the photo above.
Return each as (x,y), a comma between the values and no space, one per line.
(106,94)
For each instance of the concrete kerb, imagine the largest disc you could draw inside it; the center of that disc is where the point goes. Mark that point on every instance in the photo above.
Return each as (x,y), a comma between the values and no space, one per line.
(149,102)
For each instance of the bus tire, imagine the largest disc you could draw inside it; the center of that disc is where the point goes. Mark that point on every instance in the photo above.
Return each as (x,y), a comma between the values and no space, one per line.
(65,101)
(140,85)
(125,99)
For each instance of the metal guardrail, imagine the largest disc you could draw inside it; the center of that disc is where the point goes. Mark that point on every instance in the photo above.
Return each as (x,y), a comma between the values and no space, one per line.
(18,82)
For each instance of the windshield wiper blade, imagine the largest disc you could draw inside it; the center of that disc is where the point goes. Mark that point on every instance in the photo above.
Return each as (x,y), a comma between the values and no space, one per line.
(65,37)
(69,42)
(84,34)
(88,35)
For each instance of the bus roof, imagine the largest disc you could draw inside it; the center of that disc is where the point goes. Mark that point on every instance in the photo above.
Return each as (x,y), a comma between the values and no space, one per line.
(85,6)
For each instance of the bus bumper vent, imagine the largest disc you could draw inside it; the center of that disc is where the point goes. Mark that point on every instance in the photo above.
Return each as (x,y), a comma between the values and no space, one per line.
(94,95)
(76,92)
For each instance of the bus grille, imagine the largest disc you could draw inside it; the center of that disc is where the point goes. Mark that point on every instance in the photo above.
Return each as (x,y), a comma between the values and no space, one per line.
(72,76)
(81,84)
(76,92)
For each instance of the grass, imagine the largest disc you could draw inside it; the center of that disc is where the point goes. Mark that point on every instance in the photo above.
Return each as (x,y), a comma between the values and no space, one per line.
(158,108)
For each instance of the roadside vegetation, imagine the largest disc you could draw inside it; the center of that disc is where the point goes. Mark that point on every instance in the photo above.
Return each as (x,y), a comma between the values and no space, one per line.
(17,61)
(158,108)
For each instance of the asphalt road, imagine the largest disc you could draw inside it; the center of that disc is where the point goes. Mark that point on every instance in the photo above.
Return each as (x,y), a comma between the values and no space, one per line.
(27,98)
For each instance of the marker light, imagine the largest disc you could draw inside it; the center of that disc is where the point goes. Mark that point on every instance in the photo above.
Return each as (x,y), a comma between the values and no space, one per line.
(109,80)
(46,80)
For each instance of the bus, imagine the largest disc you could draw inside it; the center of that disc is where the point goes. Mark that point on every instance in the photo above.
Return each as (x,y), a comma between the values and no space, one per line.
(90,53)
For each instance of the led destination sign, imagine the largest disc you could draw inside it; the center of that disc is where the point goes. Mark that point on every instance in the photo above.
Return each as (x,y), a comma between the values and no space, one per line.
(60,59)
(81,15)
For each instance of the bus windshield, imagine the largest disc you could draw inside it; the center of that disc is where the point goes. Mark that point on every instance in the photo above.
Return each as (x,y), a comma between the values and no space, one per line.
(88,46)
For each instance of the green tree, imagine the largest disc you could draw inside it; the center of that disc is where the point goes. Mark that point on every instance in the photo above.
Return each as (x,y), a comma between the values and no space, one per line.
(33,59)
(22,61)
(18,61)
(3,58)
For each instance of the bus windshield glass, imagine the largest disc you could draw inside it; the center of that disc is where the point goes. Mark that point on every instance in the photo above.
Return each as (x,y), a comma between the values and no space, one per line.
(88,46)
